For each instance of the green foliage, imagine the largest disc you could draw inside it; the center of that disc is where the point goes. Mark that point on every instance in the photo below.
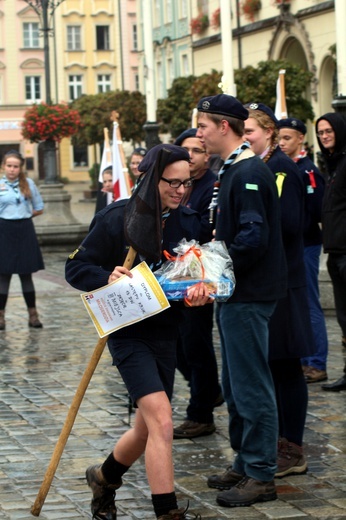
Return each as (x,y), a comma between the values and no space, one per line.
(94,175)
(258,84)
(253,84)
(175,112)
(95,111)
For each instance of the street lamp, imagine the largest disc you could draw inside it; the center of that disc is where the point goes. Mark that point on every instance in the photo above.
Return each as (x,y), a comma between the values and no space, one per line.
(45,10)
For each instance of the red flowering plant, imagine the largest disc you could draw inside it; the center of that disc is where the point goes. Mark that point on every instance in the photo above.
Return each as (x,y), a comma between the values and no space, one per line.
(199,24)
(215,19)
(250,8)
(43,122)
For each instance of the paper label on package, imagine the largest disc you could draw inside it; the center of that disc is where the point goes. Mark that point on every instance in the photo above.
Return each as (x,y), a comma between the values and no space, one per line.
(125,301)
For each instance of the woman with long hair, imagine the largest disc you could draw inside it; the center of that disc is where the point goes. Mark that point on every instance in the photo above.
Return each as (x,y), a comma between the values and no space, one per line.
(20,253)
(290,334)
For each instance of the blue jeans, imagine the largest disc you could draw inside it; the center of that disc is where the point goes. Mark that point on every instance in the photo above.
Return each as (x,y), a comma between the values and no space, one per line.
(318,324)
(248,387)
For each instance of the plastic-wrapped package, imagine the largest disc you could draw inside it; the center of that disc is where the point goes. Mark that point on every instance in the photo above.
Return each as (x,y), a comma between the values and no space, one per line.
(209,263)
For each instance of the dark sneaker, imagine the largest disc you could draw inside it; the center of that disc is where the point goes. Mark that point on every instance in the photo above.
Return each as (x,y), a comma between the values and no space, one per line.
(247,492)
(290,460)
(315,375)
(219,400)
(179,514)
(191,429)
(225,480)
(102,503)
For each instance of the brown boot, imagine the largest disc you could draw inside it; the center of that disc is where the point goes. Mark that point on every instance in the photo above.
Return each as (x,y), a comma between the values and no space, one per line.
(33,318)
(290,459)
(2,320)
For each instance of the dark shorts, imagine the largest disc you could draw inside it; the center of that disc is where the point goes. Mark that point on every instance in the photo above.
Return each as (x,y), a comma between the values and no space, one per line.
(146,366)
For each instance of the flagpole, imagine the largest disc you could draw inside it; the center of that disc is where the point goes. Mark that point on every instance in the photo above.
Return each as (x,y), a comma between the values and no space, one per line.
(280,106)
(73,411)
(227,81)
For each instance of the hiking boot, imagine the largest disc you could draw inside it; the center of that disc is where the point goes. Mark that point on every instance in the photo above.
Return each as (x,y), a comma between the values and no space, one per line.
(226,480)
(314,375)
(34,319)
(290,459)
(102,503)
(247,492)
(191,429)
(179,514)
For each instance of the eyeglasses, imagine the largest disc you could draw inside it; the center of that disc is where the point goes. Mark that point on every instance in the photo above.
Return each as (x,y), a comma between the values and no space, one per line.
(175,183)
(196,151)
(327,131)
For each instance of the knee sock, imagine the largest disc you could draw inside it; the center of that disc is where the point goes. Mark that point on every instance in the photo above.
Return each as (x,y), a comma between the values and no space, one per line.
(164,503)
(113,470)
(30,299)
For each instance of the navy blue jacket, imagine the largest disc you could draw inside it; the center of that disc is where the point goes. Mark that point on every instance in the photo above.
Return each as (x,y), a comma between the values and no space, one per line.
(314,185)
(199,200)
(292,215)
(248,221)
(105,247)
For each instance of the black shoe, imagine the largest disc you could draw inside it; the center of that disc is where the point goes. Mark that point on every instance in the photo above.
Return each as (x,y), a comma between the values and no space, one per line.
(219,400)
(337,386)
(102,503)
(191,429)
(225,480)
(247,492)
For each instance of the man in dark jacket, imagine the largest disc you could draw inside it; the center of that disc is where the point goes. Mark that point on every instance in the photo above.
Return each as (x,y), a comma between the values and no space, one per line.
(331,136)
(248,221)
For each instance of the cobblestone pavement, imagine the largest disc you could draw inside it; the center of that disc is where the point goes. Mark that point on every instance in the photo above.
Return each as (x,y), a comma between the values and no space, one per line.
(40,371)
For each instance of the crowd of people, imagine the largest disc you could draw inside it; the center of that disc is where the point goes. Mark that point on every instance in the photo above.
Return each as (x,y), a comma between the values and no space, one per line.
(275,212)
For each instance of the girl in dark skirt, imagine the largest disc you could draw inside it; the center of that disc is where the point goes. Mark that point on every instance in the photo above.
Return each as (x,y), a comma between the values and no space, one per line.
(290,334)
(20,253)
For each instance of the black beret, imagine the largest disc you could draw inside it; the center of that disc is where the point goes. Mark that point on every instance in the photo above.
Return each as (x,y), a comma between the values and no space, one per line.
(139,151)
(191,132)
(176,153)
(223,104)
(262,108)
(292,122)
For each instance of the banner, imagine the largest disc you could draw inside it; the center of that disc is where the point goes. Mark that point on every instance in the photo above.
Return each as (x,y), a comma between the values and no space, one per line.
(280,106)
(121,186)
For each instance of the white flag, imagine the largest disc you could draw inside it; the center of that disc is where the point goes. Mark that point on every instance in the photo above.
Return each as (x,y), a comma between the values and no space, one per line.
(280,105)
(106,160)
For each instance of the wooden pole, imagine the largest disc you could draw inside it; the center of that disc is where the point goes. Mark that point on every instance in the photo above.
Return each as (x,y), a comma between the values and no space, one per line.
(72,413)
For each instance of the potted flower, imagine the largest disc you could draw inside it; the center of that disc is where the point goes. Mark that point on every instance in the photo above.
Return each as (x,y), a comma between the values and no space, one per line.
(215,19)
(199,24)
(43,122)
(250,8)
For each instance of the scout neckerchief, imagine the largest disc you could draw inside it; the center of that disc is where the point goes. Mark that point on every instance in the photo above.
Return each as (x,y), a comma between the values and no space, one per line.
(225,166)
(312,179)
(14,186)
